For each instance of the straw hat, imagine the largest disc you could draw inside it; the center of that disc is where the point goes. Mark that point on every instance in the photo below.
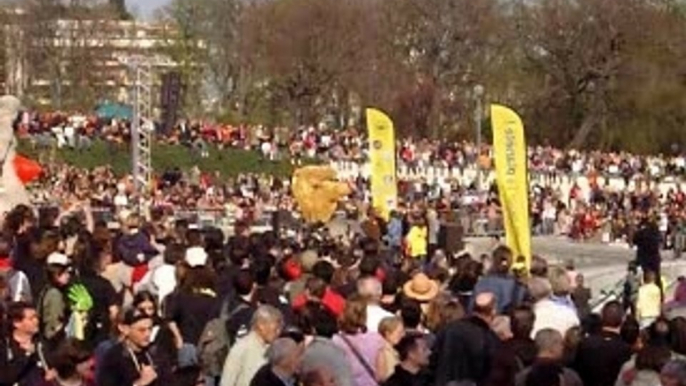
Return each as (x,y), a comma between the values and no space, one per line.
(421,288)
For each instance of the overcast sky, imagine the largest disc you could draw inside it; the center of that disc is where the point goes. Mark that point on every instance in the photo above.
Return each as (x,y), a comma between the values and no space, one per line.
(145,7)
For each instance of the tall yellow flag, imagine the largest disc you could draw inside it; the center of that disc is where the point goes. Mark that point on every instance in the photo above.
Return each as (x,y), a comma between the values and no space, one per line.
(382,159)
(509,147)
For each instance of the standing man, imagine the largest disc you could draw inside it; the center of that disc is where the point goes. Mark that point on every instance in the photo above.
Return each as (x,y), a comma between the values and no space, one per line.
(128,362)
(413,352)
(464,350)
(647,241)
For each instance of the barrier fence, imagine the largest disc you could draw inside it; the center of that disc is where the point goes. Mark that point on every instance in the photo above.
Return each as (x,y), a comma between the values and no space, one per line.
(474,224)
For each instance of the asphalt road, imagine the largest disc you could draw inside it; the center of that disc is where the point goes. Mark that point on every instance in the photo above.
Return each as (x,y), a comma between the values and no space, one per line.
(603,266)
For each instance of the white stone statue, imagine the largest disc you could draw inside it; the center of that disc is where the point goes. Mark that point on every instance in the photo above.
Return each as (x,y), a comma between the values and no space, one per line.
(12,190)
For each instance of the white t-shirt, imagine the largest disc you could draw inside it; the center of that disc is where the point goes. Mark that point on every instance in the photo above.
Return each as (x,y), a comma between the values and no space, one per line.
(374,316)
(552,315)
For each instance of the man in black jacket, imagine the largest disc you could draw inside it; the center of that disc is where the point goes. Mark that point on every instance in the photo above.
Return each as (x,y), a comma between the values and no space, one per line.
(464,349)
(128,362)
(413,352)
(20,356)
(647,241)
(600,357)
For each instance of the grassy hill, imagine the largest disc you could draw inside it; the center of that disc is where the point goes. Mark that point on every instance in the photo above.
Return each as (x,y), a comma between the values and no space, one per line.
(229,162)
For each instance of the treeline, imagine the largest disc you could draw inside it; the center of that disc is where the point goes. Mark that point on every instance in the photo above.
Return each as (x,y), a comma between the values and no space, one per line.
(583,73)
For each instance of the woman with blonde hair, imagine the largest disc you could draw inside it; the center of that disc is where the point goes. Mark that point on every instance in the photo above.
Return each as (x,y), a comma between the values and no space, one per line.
(363,349)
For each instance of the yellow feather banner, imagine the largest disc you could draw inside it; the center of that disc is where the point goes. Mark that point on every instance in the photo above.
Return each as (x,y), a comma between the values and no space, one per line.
(509,148)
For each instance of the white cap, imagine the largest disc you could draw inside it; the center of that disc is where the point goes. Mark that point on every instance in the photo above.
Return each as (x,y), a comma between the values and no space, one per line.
(196,257)
(57,258)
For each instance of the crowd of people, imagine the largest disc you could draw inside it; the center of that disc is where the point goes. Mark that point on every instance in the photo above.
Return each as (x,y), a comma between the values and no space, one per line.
(79,130)
(153,302)
(122,297)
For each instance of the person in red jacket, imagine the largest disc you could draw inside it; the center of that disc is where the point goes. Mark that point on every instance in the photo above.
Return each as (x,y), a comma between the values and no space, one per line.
(318,289)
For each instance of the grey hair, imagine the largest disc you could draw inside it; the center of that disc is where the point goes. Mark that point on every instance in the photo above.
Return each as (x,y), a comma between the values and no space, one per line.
(280,350)
(559,281)
(547,338)
(539,288)
(370,288)
(266,314)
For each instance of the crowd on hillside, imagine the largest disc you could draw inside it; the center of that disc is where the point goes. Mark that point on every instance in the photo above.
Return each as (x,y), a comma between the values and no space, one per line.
(157,302)
(79,130)
(599,212)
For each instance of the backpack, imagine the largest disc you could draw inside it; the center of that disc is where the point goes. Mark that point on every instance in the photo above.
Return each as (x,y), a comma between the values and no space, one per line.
(214,343)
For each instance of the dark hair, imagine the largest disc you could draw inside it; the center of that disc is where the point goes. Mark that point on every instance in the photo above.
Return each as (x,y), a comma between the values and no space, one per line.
(653,358)
(592,324)
(659,332)
(16,218)
(368,266)
(5,246)
(316,287)
(522,322)
(243,282)
(194,238)
(237,249)
(323,270)
(612,314)
(502,260)
(539,267)
(411,313)
(173,253)
(142,297)
(630,331)
(391,283)
(324,323)
(198,278)
(261,269)
(677,340)
(16,312)
(68,354)
(407,344)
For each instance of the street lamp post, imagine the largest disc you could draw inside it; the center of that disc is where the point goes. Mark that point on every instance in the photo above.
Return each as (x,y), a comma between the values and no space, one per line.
(478,115)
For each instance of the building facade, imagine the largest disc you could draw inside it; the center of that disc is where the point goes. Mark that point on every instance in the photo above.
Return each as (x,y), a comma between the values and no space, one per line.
(74,63)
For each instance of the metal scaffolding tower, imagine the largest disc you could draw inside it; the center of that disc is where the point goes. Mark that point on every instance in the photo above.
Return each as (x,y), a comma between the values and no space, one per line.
(141,84)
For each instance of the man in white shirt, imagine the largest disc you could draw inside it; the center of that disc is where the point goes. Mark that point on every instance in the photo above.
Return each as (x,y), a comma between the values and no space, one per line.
(550,314)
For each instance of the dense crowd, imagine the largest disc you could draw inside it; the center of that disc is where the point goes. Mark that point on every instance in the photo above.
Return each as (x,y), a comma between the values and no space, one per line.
(79,130)
(121,298)
(146,300)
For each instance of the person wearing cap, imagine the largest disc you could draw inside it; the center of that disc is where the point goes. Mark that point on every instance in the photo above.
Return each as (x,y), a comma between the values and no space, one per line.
(421,288)
(52,304)
(129,362)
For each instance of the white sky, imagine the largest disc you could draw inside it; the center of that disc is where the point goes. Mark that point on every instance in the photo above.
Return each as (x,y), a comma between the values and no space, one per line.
(145,8)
